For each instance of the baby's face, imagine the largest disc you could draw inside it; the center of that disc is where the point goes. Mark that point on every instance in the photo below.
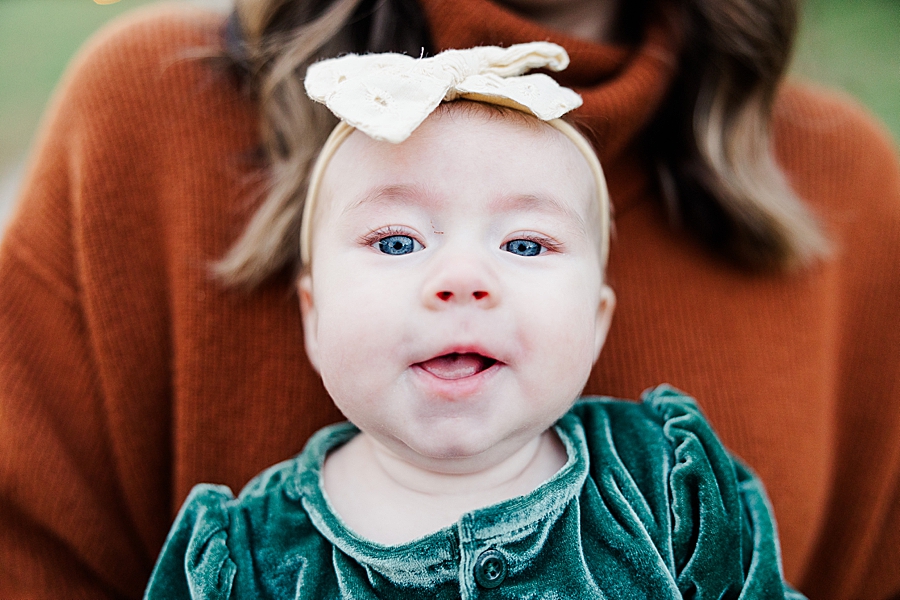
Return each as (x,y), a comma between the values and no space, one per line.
(455,303)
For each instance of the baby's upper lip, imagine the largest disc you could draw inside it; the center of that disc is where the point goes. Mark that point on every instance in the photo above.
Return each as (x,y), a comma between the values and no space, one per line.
(458,363)
(461,349)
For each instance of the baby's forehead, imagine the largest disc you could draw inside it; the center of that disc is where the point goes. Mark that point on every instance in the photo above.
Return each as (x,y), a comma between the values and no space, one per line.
(531,176)
(456,134)
(506,124)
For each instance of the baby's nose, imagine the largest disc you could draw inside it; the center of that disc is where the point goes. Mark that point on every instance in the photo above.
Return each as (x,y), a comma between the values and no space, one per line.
(447,295)
(461,282)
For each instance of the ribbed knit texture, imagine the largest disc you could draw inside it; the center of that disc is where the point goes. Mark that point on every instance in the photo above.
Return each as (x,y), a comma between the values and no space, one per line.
(127,374)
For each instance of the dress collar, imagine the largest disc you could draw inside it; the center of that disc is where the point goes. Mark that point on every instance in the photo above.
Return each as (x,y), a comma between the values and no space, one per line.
(434,557)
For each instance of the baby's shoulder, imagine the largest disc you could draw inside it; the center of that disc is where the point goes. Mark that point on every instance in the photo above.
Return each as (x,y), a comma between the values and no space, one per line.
(660,410)
(658,471)
(654,444)
(226,545)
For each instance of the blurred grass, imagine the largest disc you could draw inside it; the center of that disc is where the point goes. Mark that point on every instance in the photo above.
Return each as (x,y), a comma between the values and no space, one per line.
(854,46)
(37,40)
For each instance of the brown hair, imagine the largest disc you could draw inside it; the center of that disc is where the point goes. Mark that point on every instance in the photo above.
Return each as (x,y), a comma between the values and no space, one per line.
(710,140)
(271,43)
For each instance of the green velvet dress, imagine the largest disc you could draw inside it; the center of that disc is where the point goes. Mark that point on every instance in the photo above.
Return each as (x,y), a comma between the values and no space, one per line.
(648,505)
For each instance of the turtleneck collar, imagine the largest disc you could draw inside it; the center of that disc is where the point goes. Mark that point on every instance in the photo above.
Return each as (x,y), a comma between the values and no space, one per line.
(622,86)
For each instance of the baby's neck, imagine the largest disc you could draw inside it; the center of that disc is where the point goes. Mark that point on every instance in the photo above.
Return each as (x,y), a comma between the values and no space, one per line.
(385,498)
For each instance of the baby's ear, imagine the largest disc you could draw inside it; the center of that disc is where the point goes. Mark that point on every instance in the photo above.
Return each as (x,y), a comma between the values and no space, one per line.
(605,310)
(310,319)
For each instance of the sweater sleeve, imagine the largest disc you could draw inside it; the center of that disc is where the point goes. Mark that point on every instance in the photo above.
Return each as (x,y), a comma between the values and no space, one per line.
(846,163)
(63,530)
(85,469)
(195,561)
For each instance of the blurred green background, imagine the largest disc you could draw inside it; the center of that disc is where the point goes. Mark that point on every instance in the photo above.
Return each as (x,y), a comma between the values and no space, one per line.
(849,44)
(854,45)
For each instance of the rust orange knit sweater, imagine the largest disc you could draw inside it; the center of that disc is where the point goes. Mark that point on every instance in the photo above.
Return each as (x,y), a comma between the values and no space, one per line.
(127,374)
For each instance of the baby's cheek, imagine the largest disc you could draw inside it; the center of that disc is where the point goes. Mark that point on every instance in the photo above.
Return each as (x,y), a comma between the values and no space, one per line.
(356,338)
(570,339)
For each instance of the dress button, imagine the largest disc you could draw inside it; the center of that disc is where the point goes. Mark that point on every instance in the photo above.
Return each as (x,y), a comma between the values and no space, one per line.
(490,569)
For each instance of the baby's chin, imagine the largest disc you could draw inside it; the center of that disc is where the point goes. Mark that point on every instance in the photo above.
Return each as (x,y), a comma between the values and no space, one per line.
(460,454)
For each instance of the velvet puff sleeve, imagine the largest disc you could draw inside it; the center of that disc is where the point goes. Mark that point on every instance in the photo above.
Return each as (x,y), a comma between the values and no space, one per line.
(723,529)
(678,515)
(196,560)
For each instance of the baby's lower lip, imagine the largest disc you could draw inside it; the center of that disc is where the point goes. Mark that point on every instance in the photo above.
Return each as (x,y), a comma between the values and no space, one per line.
(455,365)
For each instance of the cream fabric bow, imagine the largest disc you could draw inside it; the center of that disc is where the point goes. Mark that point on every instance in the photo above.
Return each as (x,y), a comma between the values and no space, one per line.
(386,96)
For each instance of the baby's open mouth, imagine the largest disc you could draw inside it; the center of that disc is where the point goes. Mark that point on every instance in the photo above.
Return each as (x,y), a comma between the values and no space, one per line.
(457,365)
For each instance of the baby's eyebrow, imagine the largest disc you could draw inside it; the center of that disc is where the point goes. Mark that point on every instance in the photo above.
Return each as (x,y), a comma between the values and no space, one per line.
(547,204)
(392,195)
(415,194)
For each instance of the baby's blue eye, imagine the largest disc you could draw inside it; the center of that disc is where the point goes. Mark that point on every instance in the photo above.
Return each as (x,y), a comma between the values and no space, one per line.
(523,247)
(398,244)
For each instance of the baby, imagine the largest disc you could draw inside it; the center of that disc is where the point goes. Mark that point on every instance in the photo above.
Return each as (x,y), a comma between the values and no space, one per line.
(454,241)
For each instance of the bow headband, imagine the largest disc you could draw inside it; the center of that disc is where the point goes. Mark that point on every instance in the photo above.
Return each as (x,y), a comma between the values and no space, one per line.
(387,96)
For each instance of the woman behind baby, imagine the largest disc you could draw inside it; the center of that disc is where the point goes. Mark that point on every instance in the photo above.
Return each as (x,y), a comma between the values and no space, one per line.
(454,304)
